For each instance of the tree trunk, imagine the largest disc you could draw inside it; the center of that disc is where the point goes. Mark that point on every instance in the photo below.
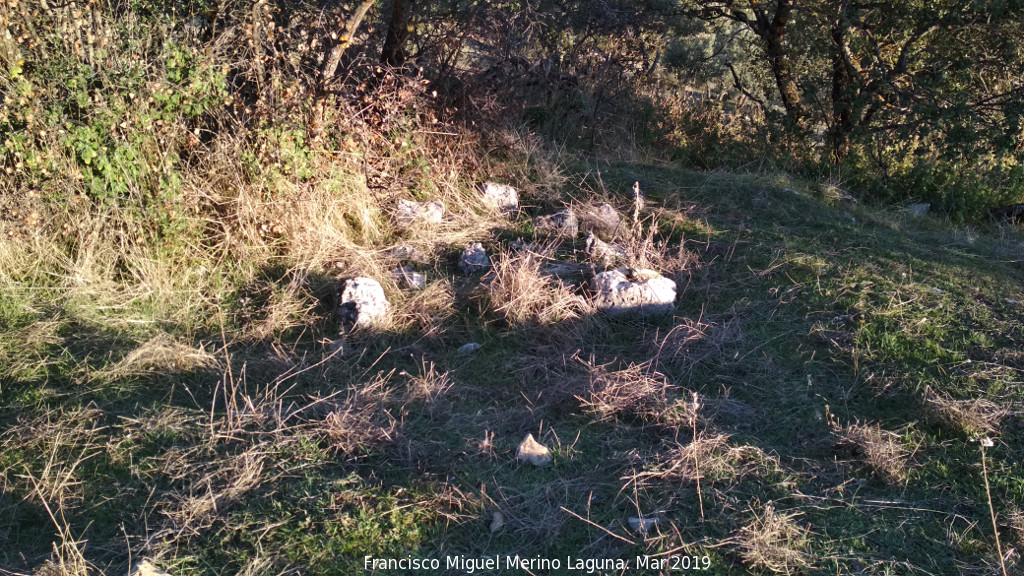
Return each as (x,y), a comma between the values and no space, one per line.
(393,53)
(842,91)
(775,37)
(331,66)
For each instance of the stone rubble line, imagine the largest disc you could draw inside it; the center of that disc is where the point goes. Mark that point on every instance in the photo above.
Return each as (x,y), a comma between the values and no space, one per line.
(617,292)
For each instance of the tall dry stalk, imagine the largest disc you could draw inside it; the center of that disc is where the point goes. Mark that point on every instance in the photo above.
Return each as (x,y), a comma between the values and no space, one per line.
(987,443)
(696,463)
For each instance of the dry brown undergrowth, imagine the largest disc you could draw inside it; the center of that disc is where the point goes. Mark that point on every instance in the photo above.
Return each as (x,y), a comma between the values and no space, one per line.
(880,450)
(773,540)
(521,293)
(637,390)
(715,458)
(974,418)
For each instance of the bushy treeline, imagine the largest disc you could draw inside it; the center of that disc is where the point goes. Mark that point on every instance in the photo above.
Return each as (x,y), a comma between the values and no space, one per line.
(893,100)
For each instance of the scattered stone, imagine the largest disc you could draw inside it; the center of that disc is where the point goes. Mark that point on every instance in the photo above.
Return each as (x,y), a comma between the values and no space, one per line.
(626,290)
(919,209)
(146,568)
(533,452)
(408,213)
(501,197)
(407,277)
(604,254)
(520,246)
(469,348)
(642,525)
(497,521)
(474,259)
(408,254)
(563,223)
(600,218)
(362,304)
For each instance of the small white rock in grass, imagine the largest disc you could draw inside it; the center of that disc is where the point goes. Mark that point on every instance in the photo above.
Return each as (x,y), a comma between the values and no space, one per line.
(501,197)
(408,254)
(362,304)
(642,525)
(474,259)
(408,213)
(497,521)
(146,568)
(407,277)
(627,291)
(468,348)
(564,224)
(533,452)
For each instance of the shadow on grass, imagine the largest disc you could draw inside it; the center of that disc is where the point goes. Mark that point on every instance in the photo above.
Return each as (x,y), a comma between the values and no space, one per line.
(290,457)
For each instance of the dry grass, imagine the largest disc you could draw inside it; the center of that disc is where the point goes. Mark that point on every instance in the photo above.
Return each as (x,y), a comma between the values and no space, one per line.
(521,294)
(426,310)
(880,450)
(637,390)
(773,541)
(361,421)
(712,457)
(428,386)
(974,418)
(64,442)
(647,249)
(161,354)
(213,487)
(691,343)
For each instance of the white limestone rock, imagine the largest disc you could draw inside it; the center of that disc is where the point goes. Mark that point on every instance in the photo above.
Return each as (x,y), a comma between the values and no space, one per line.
(409,214)
(407,277)
(642,525)
(362,304)
(474,259)
(146,568)
(497,521)
(533,452)
(564,224)
(468,348)
(501,197)
(405,253)
(628,291)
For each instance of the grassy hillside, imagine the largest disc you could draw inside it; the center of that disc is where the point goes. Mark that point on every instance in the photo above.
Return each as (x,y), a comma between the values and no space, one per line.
(846,360)
(837,390)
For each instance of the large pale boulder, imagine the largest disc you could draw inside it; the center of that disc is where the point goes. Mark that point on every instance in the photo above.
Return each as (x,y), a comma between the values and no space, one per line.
(501,197)
(409,214)
(628,291)
(362,304)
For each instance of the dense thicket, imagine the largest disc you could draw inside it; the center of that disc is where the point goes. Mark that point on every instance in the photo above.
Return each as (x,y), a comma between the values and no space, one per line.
(918,99)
